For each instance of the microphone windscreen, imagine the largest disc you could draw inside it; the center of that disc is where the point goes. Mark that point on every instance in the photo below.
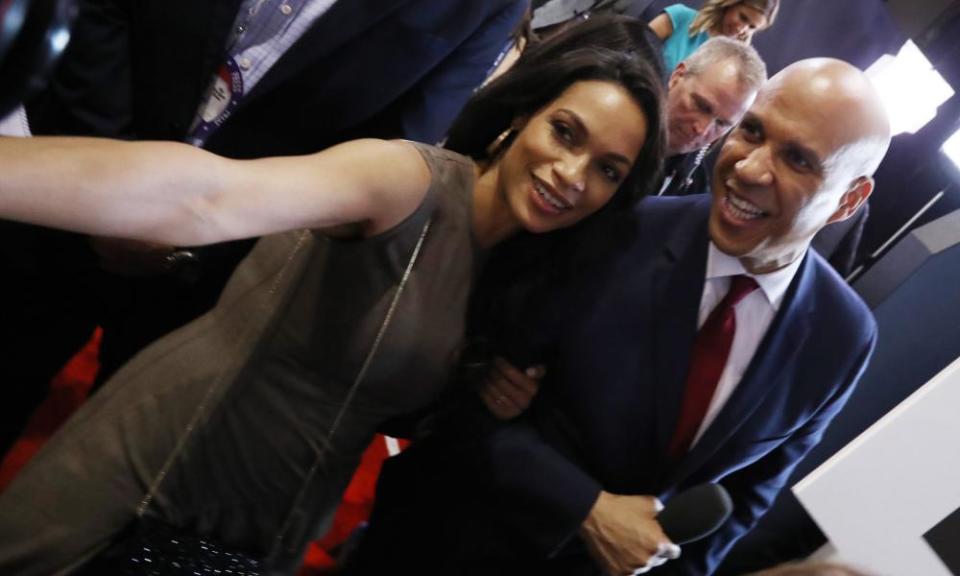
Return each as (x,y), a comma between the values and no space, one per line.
(33,34)
(695,513)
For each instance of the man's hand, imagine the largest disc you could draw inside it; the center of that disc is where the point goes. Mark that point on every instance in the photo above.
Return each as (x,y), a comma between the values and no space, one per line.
(623,536)
(507,391)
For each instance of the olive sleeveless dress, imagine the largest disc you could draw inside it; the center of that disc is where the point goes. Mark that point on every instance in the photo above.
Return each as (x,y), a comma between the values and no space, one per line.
(239,424)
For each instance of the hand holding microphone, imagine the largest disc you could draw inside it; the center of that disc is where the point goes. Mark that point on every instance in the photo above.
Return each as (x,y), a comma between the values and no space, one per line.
(623,535)
(632,534)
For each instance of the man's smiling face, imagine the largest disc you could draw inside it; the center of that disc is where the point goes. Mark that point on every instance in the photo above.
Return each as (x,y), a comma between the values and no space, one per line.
(793,165)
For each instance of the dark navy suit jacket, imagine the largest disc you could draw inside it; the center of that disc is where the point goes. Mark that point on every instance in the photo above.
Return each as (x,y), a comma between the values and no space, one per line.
(617,348)
(611,397)
(383,68)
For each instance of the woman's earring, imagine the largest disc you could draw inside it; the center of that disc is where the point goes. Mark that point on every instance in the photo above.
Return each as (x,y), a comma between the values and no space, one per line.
(500,142)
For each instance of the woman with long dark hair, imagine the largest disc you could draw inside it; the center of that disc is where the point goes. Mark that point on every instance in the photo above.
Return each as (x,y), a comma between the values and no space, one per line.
(243,427)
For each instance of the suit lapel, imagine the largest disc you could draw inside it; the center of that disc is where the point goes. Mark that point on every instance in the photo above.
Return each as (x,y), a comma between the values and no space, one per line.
(676,292)
(344,21)
(774,358)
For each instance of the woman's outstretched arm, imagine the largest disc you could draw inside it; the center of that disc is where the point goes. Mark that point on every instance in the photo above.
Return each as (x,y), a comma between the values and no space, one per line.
(176,194)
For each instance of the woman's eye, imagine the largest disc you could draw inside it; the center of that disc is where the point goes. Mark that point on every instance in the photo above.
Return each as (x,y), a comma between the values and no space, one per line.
(563,131)
(611,173)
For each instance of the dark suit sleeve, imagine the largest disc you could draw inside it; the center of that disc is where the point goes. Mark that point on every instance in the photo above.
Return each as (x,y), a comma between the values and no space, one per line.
(432,106)
(547,495)
(90,91)
(754,488)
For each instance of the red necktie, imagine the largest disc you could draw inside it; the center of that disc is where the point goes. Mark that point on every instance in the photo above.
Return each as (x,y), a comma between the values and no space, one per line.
(709,357)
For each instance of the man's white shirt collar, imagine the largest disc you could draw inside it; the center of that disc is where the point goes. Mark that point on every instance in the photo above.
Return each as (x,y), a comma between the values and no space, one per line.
(773,284)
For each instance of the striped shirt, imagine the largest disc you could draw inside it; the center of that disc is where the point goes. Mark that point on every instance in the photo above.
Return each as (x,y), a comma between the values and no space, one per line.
(262,32)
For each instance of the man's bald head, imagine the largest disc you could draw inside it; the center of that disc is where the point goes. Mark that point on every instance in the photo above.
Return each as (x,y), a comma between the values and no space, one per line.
(847,100)
(802,157)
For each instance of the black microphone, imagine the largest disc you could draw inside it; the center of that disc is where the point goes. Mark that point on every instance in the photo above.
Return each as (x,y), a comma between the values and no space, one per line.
(33,34)
(695,513)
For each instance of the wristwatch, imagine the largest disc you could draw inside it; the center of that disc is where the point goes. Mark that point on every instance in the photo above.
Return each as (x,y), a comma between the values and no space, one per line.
(184,264)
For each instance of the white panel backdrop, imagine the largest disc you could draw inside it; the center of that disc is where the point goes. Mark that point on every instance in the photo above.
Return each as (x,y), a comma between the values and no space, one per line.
(877,497)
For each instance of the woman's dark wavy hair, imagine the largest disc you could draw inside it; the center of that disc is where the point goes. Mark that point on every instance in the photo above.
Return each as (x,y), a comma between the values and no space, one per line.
(510,299)
(611,48)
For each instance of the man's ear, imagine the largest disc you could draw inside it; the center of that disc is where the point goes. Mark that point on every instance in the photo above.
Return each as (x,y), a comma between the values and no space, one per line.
(677,74)
(852,199)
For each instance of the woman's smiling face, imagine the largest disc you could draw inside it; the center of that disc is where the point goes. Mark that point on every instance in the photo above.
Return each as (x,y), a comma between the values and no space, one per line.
(741,21)
(570,157)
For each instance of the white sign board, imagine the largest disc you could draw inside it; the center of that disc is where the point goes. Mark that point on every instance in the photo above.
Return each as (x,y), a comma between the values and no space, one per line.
(890,500)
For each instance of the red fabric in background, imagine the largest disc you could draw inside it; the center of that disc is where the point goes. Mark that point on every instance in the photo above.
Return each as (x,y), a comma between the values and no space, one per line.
(354,508)
(68,390)
(71,386)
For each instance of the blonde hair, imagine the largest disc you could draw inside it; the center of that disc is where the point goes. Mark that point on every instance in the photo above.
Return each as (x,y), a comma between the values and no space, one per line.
(711,13)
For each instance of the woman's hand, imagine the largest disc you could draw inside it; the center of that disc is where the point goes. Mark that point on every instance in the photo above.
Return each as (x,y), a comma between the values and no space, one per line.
(507,391)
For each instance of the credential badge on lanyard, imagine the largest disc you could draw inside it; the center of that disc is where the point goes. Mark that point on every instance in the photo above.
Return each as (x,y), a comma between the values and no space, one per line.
(222,99)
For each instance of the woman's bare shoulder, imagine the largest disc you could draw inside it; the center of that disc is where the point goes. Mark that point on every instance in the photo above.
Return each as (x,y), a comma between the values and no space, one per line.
(393,177)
